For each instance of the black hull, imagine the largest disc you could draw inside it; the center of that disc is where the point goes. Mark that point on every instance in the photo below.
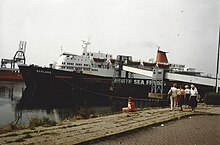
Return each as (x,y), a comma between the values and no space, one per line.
(47,85)
(51,85)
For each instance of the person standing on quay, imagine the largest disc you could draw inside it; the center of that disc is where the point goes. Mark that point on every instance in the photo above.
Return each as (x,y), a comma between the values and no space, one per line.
(193,97)
(181,97)
(187,95)
(173,96)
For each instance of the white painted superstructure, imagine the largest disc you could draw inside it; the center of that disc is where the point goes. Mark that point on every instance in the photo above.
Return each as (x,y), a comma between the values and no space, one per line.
(100,64)
(92,63)
(175,76)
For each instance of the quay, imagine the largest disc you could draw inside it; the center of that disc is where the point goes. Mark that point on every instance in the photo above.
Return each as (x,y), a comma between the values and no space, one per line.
(88,131)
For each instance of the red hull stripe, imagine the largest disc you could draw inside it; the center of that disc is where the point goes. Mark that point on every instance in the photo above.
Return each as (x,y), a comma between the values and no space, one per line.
(10,75)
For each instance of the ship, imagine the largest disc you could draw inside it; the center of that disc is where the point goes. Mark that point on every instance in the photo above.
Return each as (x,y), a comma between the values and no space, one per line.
(77,77)
(9,70)
(94,78)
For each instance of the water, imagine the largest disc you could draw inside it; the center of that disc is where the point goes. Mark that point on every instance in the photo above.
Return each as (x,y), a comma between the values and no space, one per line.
(11,107)
(17,101)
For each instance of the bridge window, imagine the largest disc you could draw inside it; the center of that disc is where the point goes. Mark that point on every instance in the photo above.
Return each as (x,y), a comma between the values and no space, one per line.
(94,69)
(79,64)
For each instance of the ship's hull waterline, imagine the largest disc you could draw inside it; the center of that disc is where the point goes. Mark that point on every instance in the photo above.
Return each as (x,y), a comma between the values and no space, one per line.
(77,87)
(51,85)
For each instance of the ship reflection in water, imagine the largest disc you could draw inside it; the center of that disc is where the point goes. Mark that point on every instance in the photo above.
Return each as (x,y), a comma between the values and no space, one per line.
(20,103)
(16,101)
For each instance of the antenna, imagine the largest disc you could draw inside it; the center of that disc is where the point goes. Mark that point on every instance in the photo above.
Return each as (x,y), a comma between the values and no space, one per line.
(61,49)
(85,44)
(89,38)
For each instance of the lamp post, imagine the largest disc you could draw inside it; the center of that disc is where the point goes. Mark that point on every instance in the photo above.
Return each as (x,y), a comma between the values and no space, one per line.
(217,67)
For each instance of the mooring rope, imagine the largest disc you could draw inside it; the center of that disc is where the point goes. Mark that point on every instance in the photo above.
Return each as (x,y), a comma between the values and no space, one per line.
(101,94)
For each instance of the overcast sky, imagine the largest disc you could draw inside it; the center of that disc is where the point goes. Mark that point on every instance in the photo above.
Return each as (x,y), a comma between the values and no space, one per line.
(187,29)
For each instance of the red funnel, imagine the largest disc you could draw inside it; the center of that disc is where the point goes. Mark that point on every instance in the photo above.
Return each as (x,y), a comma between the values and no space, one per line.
(161,57)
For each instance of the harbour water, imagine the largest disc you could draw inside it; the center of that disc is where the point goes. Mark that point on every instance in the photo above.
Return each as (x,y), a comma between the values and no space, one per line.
(20,103)
(11,109)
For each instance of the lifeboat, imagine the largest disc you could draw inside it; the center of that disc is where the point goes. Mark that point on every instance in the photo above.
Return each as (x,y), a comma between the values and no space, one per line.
(100,60)
(135,63)
(163,65)
(149,64)
(113,61)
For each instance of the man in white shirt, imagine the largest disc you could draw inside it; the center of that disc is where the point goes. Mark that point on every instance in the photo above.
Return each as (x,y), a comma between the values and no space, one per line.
(173,96)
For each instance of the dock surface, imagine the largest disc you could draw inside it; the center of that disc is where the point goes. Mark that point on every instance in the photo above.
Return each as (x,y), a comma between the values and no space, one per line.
(191,130)
(91,130)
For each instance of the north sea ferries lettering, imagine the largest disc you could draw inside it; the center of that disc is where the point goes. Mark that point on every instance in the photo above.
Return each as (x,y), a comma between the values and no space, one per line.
(43,71)
(139,81)
(142,82)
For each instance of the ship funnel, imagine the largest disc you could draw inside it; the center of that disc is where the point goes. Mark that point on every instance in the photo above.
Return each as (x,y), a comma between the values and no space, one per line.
(161,57)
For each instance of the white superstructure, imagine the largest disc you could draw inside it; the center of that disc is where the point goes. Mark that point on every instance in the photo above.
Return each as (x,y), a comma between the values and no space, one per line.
(103,64)
(100,64)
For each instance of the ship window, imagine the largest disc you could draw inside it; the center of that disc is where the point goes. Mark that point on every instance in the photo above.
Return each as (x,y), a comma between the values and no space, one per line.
(86,69)
(83,53)
(79,64)
(88,54)
(92,54)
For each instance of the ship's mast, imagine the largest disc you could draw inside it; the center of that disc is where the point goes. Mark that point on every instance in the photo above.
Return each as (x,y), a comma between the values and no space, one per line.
(85,45)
